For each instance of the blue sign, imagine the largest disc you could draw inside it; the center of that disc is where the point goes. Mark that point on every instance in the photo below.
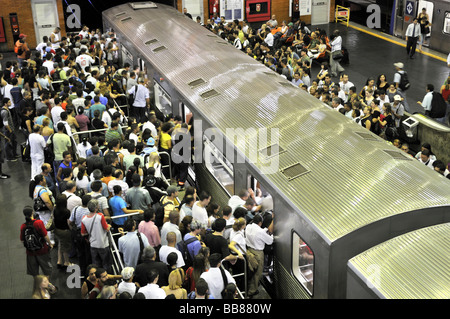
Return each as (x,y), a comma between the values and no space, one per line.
(409,8)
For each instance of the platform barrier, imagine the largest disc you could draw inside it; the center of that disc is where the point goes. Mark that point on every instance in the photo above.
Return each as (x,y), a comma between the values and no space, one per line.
(342,15)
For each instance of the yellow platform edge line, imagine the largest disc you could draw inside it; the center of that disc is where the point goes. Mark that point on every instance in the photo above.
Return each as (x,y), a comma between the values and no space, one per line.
(396,42)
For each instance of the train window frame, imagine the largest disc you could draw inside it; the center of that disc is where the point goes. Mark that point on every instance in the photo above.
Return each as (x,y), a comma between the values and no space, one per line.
(446,23)
(298,275)
(219,158)
(157,88)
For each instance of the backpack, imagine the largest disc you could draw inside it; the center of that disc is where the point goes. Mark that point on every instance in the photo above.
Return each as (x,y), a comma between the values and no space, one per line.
(32,240)
(183,248)
(404,81)
(438,106)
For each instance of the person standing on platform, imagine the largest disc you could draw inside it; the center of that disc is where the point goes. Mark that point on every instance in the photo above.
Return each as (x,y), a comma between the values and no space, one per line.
(141,100)
(336,47)
(412,36)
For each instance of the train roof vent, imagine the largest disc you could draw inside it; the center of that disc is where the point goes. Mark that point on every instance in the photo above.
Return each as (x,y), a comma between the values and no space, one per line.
(120,14)
(196,83)
(161,48)
(151,41)
(285,83)
(294,171)
(222,42)
(271,73)
(126,19)
(272,150)
(209,94)
(142,5)
(366,136)
(398,155)
(211,35)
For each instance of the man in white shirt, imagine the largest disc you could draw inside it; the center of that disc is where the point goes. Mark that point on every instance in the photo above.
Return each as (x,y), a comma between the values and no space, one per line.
(427,99)
(37,146)
(56,111)
(41,46)
(257,238)
(141,99)
(152,290)
(426,159)
(214,276)
(336,47)
(238,200)
(84,60)
(412,35)
(170,247)
(48,63)
(269,38)
(345,85)
(171,226)
(118,174)
(199,209)
(336,103)
(72,199)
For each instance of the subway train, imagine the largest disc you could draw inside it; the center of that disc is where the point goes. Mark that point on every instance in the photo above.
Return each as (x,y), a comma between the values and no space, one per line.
(438,11)
(338,192)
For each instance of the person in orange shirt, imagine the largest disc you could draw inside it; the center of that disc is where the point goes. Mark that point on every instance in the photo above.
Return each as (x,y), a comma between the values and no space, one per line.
(22,51)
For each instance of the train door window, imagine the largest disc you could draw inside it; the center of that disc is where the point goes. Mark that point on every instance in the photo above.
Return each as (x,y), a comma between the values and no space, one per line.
(446,28)
(218,165)
(127,57)
(142,67)
(302,262)
(261,196)
(163,100)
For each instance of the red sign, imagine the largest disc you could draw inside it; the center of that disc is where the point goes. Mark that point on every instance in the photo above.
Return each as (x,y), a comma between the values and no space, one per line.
(258,7)
(2,31)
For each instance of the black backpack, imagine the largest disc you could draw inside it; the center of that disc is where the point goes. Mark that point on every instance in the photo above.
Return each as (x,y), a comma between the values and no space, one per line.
(438,106)
(183,248)
(404,81)
(32,240)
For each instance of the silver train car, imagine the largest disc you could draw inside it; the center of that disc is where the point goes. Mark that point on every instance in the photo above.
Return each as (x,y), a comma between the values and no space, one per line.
(337,189)
(438,10)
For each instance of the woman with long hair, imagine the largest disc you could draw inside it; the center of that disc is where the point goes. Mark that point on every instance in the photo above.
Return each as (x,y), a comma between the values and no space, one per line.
(42,288)
(176,279)
(61,216)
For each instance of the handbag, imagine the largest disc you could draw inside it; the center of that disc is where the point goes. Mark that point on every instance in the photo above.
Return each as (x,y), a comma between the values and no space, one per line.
(337,55)
(50,224)
(38,204)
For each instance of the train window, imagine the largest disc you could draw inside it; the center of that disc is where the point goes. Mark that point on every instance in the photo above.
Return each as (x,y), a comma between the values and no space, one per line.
(302,262)
(163,100)
(446,29)
(126,55)
(218,165)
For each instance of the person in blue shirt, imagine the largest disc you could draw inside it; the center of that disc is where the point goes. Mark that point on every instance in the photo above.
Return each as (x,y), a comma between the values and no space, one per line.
(119,206)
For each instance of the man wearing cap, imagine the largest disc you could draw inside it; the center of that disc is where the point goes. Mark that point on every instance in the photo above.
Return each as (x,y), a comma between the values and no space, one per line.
(398,110)
(398,73)
(23,49)
(127,284)
(412,35)
(150,148)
